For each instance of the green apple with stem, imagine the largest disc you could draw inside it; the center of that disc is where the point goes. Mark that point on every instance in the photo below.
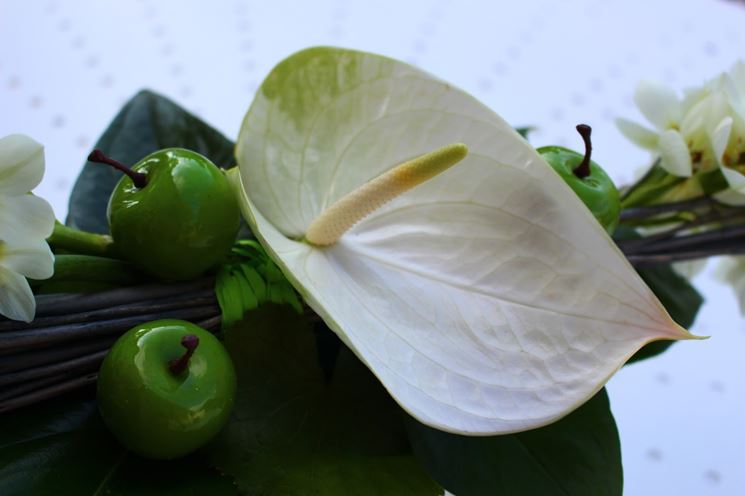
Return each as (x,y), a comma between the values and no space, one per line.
(166,388)
(587,179)
(173,213)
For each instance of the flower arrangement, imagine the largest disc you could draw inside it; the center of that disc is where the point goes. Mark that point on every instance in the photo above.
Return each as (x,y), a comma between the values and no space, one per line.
(416,303)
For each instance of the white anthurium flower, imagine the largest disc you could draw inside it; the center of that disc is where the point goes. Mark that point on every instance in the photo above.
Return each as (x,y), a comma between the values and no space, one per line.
(486,299)
(25,223)
(699,133)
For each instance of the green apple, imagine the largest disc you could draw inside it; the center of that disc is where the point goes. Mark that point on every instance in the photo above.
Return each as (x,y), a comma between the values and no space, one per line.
(166,388)
(587,179)
(173,213)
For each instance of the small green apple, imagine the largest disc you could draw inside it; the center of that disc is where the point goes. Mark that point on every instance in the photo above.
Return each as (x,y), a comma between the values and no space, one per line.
(166,388)
(588,180)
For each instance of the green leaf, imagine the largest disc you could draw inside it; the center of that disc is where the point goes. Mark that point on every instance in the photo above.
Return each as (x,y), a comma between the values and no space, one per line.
(524,131)
(258,286)
(62,447)
(681,300)
(292,433)
(578,455)
(147,123)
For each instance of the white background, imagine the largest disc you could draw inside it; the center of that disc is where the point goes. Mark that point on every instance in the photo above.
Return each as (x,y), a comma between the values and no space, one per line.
(67,67)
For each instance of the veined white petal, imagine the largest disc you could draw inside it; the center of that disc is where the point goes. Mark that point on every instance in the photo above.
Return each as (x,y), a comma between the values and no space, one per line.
(16,299)
(34,260)
(487,300)
(640,135)
(658,103)
(719,137)
(25,217)
(21,164)
(674,154)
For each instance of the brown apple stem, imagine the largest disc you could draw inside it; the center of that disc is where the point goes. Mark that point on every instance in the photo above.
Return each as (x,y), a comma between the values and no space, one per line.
(178,365)
(138,178)
(583,169)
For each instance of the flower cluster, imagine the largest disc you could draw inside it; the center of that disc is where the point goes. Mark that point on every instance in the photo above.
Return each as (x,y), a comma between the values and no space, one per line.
(25,223)
(702,132)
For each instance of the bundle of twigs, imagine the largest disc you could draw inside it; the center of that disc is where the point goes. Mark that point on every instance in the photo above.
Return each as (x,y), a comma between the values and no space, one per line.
(62,349)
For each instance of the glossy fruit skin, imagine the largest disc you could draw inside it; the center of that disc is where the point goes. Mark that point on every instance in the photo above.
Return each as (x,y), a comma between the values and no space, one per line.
(596,191)
(180,224)
(153,412)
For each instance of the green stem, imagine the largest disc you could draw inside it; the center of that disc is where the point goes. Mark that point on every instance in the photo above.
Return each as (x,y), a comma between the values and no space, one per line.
(87,273)
(80,242)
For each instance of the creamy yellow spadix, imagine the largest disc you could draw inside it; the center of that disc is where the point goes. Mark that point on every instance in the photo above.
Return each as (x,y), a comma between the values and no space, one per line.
(486,299)
(358,204)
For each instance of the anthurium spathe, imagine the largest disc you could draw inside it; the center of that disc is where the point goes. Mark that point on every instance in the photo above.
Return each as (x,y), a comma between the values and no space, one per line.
(486,298)
(25,223)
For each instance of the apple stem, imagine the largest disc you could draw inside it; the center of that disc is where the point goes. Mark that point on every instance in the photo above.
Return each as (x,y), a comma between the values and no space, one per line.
(583,169)
(138,178)
(177,366)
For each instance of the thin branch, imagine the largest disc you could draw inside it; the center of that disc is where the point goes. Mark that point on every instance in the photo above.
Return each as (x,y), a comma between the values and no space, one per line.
(77,303)
(86,363)
(47,392)
(47,336)
(184,300)
(636,213)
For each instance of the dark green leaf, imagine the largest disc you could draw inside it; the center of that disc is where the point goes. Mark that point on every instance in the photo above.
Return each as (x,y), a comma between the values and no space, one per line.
(524,131)
(293,433)
(62,447)
(147,123)
(681,300)
(578,455)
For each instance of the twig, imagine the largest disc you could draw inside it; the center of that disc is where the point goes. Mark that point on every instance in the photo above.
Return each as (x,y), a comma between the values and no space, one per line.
(186,300)
(43,337)
(82,364)
(21,361)
(635,213)
(650,260)
(77,303)
(47,392)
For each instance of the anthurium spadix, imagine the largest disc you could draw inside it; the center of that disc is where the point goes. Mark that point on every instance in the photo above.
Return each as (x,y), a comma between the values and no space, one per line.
(487,299)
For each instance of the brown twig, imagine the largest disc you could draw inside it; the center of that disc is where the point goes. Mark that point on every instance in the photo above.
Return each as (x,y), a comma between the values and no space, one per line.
(12,341)
(48,392)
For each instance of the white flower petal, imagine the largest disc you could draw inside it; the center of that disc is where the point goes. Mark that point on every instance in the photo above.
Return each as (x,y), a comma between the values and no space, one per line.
(487,300)
(674,154)
(34,260)
(25,217)
(21,164)
(658,103)
(731,270)
(16,299)
(737,73)
(731,197)
(735,179)
(719,137)
(640,135)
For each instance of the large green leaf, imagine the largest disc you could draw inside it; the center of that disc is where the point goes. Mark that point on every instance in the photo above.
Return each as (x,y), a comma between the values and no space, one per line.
(147,123)
(293,433)
(576,456)
(63,447)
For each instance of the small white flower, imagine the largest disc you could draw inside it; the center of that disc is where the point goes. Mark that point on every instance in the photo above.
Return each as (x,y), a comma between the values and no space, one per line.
(25,223)
(703,131)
